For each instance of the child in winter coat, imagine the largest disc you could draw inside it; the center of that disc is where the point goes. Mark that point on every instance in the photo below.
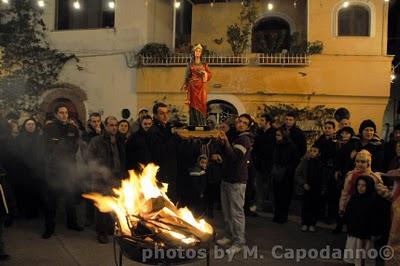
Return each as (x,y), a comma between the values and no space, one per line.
(6,203)
(362,212)
(198,178)
(309,181)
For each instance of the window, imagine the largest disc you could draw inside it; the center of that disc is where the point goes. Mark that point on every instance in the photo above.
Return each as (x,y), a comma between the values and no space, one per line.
(354,20)
(270,35)
(91,14)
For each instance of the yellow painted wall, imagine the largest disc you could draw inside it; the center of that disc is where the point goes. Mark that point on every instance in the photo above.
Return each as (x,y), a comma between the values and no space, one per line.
(321,27)
(209,23)
(359,83)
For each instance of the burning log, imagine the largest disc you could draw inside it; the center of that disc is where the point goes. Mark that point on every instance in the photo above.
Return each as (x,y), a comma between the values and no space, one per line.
(146,218)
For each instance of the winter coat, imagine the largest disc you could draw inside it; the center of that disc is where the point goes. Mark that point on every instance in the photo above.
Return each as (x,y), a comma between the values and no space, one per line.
(362,212)
(60,147)
(30,154)
(342,159)
(299,140)
(375,147)
(309,171)
(263,149)
(100,151)
(285,160)
(349,187)
(237,157)
(163,150)
(138,150)
(327,148)
(90,133)
(7,201)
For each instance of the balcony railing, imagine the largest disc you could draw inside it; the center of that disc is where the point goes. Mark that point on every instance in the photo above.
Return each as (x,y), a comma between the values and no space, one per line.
(183,60)
(283,59)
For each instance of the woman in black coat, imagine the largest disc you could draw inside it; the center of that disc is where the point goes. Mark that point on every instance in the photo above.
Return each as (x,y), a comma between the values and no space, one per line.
(27,183)
(285,158)
(366,140)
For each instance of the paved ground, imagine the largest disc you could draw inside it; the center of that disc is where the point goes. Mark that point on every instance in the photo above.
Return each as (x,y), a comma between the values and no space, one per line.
(24,244)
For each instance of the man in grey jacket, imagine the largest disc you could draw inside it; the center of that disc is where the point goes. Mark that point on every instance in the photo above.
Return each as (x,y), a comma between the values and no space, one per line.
(233,186)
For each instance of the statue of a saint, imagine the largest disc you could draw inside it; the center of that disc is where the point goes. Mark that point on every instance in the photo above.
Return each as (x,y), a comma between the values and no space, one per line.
(197,76)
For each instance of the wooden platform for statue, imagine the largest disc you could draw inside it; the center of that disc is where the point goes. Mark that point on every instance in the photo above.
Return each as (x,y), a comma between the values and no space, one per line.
(201,134)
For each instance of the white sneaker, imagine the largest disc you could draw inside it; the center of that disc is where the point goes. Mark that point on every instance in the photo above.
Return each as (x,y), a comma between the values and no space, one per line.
(311,229)
(223,241)
(233,250)
(304,228)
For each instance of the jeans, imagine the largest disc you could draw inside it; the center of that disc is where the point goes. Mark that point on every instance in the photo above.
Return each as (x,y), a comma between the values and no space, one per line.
(232,202)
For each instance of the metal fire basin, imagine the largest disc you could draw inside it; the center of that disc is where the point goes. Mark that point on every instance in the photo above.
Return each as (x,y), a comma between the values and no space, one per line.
(134,250)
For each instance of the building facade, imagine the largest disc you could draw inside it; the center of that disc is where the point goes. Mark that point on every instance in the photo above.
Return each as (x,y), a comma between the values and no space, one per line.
(353,70)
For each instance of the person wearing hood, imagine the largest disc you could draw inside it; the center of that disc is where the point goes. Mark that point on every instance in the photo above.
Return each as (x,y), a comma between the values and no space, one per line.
(135,126)
(361,215)
(363,167)
(29,150)
(367,139)
(233,186)
(284,163)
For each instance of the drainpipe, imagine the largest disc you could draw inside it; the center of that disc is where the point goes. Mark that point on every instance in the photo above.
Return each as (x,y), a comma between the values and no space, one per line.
(174,25)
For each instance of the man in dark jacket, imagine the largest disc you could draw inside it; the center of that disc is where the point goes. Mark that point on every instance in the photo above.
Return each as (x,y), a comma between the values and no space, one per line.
(94,128)
(138,146)
(233,187)
(60,146)
(106,158)
(331,194)
(295,133)
(263,155)
(163,148)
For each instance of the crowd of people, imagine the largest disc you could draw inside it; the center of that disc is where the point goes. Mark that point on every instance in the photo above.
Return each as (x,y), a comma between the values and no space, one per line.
(338,178)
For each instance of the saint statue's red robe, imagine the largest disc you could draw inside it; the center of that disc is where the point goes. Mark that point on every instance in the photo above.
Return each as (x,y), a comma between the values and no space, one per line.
(197,88)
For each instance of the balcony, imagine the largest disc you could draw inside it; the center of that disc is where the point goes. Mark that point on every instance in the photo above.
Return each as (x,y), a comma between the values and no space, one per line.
(283,59)
(280,59)
(183,60)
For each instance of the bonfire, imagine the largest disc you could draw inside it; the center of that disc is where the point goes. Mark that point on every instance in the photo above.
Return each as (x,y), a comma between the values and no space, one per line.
(144,214)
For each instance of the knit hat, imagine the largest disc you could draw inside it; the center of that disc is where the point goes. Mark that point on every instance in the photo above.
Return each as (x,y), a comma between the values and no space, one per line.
(364,155)
(365,124)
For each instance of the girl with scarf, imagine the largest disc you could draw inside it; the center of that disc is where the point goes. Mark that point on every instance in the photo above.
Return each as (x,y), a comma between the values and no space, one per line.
(362,212)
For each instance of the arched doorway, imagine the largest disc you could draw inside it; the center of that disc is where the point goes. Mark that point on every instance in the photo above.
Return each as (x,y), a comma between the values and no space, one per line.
(73,96)
(270,35)
(221,110)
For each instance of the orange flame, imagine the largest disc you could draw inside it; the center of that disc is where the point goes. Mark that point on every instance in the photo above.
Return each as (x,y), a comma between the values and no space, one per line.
(136,198)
